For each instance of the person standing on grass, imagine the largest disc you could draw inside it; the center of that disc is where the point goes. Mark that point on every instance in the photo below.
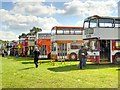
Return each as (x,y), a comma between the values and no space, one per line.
(82,54)
(16,53)
(3,54)
(36,56)
(8,52)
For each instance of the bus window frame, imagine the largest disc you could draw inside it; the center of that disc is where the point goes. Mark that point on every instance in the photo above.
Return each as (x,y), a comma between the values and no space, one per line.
(66,33)
(95,44)
(59,33)
(52,34)
(113,23)
(73,46)
(88,24)
(117,23)
(89,42)
(71,31)
(76,32)
(44,36)
(96,23)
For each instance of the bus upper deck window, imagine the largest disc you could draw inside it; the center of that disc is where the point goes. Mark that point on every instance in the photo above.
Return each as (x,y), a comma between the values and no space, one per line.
(93,23)
(66,31)
(86,24)
(78,32)
(106,22)
(53,32)
(72,32)
(59,31)
(117,23)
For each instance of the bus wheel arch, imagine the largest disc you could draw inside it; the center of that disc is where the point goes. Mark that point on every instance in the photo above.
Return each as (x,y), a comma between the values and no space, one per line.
(117,58)
(73,56)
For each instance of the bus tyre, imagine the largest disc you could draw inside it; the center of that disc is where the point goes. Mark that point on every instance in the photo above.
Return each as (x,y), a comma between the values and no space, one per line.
(117,59)
(73,56)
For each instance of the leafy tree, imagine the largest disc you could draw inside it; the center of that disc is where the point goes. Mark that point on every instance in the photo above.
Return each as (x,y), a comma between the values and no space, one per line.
(34,30)
(23,35)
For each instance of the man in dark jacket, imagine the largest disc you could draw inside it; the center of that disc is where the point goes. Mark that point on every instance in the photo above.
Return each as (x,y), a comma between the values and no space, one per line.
(36,56)
(82,54)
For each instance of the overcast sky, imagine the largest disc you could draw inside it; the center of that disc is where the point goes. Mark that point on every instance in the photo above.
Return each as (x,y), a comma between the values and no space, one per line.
(19,16)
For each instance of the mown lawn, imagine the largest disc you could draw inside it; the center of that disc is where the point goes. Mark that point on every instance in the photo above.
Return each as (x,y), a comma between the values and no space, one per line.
(21,73)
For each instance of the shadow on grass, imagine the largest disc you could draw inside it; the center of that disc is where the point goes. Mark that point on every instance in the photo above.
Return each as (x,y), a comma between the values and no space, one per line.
(118,69)
(75,67)
(64,68)
(26,68)
(19,58)
(33,62)
(27,62)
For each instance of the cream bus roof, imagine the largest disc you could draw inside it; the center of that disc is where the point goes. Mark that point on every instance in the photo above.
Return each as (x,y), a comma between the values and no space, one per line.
(96,16)
(72,27)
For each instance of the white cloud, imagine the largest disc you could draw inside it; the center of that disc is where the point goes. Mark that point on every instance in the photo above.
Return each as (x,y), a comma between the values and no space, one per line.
(28,1)
(8,35)
(89,7)
(21,22)
(37,9)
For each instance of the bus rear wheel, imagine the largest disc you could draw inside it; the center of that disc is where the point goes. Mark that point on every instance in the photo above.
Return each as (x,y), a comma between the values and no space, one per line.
(117,59)
(73,56)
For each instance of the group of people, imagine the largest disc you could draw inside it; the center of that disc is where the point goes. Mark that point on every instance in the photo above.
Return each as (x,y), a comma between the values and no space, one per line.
(82,55)
(8,53)
(4,53)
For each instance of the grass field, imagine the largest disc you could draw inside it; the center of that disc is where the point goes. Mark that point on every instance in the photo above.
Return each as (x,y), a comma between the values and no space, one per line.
(21,73)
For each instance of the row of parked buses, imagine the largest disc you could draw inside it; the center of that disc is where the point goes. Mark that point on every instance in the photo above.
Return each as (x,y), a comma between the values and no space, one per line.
(100,35)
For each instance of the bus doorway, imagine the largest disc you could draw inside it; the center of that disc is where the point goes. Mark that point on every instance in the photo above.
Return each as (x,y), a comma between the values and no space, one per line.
(105,51)
(62,51)
(43,52)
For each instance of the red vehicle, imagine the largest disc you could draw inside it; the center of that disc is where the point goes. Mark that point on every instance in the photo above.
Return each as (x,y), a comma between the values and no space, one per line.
(43,43)
(24,46)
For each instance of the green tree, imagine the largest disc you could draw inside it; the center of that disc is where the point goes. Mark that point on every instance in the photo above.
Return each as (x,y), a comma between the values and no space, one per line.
(23,35)
(35,30)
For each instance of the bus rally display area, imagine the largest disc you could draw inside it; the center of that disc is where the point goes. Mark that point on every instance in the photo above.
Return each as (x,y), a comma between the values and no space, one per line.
(60,44)
(58,65)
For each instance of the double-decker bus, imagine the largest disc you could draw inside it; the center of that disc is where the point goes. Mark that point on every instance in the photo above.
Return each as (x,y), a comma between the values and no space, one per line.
(43,43)
(101,35)
(23,46)
(65,42)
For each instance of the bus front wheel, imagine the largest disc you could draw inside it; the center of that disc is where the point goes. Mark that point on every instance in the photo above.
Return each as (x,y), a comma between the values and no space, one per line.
(73,56)
(117,59)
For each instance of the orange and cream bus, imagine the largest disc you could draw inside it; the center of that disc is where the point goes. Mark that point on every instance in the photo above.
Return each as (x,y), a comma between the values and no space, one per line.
(43,43)
(102,36)
(65,42)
